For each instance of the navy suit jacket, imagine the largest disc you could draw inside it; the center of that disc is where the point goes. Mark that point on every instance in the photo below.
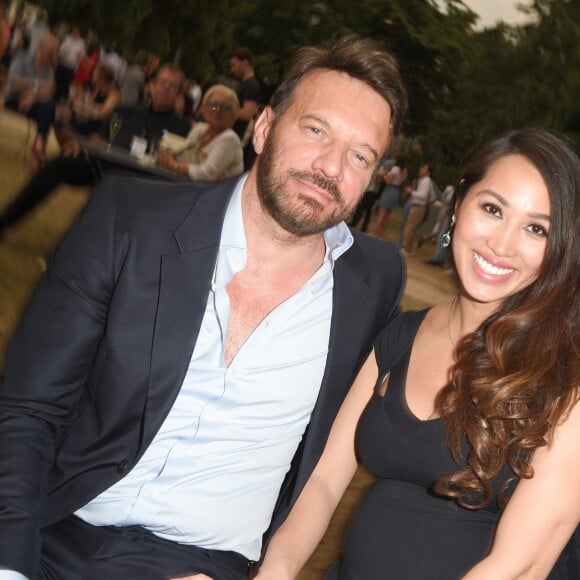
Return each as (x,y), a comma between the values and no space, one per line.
(104,344)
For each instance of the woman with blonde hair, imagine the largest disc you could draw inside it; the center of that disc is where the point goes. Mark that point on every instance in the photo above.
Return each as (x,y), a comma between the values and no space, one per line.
(212,150)
(468,413)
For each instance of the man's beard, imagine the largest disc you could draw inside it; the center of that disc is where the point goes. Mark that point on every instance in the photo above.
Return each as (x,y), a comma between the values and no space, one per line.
(302,216)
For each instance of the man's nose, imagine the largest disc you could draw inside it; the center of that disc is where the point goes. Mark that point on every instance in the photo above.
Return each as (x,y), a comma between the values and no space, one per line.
(330,161)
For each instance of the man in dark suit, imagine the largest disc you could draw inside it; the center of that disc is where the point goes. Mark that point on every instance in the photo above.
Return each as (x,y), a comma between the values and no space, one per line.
(174,378)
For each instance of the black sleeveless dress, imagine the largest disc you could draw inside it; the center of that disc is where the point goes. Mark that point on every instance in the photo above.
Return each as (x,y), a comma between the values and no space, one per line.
(401,530)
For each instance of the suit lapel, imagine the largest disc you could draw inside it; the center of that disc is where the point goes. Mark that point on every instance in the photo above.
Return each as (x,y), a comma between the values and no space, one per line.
(351,309)
(184,285)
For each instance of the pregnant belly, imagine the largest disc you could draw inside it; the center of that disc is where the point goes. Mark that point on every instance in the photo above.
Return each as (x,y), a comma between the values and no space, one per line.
(401,532)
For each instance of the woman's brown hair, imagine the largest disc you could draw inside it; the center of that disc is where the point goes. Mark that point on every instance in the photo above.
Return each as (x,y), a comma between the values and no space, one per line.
(517,376)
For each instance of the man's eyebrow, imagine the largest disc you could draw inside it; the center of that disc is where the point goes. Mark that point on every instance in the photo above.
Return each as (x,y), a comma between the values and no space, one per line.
(326,124)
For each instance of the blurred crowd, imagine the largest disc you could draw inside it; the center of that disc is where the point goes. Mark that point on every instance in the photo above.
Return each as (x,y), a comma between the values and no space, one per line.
(76,86)
(71,83)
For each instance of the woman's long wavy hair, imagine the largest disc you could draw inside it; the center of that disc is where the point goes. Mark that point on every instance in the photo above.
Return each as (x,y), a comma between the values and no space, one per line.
(517,376)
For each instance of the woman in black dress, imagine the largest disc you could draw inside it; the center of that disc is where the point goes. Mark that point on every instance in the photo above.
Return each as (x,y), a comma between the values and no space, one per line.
(473,426)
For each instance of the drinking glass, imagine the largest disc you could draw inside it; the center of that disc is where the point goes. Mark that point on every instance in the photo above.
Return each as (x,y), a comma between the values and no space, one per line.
(115,123)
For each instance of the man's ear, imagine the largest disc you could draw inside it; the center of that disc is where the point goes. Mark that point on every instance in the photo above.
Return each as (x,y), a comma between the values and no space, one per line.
(262,128)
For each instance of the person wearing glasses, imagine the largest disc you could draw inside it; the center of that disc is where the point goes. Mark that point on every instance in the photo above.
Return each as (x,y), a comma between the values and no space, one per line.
(212,150)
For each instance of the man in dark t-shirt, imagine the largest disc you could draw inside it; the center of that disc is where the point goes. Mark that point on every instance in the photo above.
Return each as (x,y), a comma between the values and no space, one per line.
(249,94)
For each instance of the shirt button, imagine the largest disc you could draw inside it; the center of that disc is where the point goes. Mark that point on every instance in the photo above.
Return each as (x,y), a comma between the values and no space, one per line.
(123,466)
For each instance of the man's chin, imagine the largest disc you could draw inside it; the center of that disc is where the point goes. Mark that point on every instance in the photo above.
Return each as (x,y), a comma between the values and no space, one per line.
(308,226)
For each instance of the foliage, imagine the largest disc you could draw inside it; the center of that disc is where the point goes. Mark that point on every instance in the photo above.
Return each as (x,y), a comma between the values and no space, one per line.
(511,78)
(166,27)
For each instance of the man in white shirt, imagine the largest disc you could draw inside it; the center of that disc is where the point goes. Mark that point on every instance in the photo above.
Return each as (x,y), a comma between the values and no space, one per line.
(70,53)
(174,379)
(116,62)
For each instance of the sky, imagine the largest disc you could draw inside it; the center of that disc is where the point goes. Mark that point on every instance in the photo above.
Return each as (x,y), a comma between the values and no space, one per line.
(490,11)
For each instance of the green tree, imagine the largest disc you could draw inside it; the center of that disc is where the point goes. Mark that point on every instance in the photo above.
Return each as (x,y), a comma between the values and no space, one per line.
(464,85)
(428,43)
(550,65)
(162,27)
(511,77)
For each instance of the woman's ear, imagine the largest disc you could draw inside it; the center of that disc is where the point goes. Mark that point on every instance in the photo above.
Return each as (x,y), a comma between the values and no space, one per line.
(262,128)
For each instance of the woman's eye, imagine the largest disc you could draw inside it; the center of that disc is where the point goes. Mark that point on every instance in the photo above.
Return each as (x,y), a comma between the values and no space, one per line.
(492,209)
(538,230)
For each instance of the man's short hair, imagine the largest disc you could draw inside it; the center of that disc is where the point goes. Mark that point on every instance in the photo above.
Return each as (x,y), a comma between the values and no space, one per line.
(107,73)
(244,54)
(362,59)
(173,68)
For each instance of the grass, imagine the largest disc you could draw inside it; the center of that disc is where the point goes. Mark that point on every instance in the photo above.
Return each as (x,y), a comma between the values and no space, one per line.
(24,245)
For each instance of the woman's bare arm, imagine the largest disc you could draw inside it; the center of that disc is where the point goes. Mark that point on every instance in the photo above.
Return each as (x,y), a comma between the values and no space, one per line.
(298,536)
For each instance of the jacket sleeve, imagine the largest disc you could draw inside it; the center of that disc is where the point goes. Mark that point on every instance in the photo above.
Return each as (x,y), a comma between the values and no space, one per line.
(47,364)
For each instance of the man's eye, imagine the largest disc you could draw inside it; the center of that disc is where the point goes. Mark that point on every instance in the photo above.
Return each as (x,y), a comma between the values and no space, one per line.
(359,159)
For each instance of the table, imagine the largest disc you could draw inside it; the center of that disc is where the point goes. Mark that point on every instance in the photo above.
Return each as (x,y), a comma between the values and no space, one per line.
(116,158)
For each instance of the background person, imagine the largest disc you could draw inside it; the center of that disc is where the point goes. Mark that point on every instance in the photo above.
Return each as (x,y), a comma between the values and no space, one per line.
(88,63)
(469,412)
(133,84)
(70,53)
(366,205)
(30,91)
(92,106)
(112,58)
(4,32)
(440,230)
(212,150)
(19,36)
(393,179)
(249,94)
(420,199)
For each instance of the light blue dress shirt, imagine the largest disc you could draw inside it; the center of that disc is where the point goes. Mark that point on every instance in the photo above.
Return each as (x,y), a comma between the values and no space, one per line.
(213,472)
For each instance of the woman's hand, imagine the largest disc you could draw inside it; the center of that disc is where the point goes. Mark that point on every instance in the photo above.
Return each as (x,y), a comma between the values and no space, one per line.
(168,161)
(71,148)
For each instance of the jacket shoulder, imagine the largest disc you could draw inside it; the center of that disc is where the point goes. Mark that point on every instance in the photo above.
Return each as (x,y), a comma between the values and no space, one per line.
(136,200)
(379,253)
